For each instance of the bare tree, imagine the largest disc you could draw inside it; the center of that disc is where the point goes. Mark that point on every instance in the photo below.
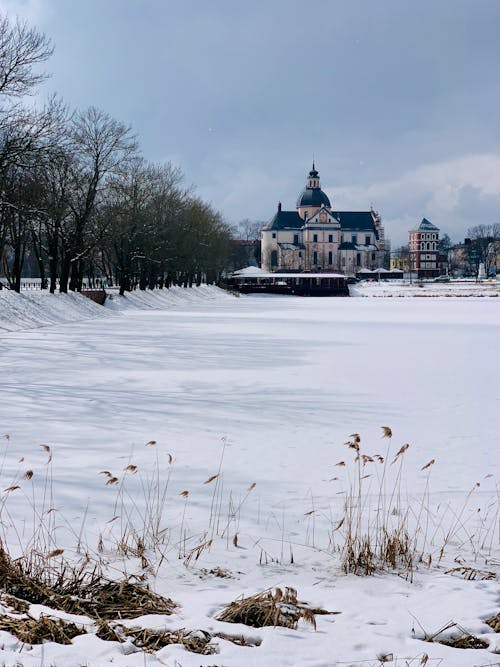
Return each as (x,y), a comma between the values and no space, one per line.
(249,230)
(100,145)
(482,249)
(24,143)
(22,48)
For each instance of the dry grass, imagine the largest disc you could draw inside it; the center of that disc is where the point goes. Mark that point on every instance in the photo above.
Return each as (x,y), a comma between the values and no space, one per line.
(195,641)
(78,591)
(373,541)
(154,640)
(31,631)
(494,622)
(460,639)
(271,608)
(14,604)
(472,574)
(381,527)
(219,572)
(110,599)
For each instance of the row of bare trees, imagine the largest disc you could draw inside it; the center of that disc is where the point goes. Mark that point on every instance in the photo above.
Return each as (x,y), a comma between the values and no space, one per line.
(79,201)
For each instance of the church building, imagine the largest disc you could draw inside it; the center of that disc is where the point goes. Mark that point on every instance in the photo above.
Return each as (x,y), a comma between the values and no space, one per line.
(316,238)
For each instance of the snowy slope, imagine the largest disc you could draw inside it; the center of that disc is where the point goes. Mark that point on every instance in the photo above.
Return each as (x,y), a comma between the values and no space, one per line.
(33,309)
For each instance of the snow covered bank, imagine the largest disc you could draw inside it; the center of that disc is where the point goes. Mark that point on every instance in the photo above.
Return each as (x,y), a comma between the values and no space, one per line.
(31,309)
(165,298)
(399,288)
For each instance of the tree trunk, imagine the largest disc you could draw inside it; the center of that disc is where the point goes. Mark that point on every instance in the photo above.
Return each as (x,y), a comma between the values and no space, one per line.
(65,269)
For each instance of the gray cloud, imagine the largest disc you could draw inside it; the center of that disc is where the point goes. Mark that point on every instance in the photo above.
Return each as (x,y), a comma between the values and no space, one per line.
(241,94)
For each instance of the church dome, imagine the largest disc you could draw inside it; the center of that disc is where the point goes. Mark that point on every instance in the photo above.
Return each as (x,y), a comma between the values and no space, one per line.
(313,198)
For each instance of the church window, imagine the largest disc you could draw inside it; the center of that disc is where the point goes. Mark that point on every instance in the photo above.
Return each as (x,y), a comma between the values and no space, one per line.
(367,240)
(373,256)
(274,235)
(315,238)
(330,257)
(343,261)
(358,259)
(274,258)
(354,238)
(315,257)
(330,238)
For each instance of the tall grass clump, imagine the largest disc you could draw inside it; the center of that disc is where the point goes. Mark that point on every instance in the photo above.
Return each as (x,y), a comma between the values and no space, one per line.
(375,537)
(138,525)
(381,527)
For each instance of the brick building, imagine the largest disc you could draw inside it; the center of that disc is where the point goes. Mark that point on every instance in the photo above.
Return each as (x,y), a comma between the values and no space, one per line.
(424,250)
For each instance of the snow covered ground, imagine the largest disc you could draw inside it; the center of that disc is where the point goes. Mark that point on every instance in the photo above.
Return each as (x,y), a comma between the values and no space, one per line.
(454,288)
(263,391)
(33,309)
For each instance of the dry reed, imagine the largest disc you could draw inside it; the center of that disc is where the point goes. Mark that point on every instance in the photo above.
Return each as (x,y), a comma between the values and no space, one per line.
(271,608)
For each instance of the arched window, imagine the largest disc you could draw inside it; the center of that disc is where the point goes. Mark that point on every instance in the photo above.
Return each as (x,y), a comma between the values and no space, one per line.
(274,258)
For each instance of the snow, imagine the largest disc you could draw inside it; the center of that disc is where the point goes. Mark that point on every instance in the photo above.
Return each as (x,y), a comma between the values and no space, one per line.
(400,288)
(266,389)
(32,309)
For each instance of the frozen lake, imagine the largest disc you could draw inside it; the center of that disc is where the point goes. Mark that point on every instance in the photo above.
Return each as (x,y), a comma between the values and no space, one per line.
(277,377)
(274,386)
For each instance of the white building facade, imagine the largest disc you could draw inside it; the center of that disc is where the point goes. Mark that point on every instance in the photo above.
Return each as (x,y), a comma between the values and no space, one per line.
(316,238)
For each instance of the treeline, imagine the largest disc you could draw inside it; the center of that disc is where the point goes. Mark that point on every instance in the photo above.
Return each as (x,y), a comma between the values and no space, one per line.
(79,201)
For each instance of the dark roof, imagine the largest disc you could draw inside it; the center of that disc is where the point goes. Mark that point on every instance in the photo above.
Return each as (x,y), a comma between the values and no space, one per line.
(284,219)
(355,220)
(313,197)
(426,226)
(349,220)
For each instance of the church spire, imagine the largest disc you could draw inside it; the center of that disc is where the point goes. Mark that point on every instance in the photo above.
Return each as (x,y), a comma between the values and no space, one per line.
(313,178)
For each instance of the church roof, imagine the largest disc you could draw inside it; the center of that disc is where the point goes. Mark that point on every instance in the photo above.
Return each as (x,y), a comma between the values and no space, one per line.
(349,220)
(355,220)
(284,219)
(313,197)
(426,226)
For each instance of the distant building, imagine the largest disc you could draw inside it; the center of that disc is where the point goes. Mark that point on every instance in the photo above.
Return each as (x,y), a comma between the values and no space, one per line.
(465,258)
(313,237)
(424,250)
(400,261)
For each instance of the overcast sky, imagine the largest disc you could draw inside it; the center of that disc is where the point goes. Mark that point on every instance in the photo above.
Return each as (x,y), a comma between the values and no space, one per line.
(399,101)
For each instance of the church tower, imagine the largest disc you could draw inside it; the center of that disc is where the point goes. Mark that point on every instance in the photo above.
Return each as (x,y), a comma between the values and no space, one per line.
(312,198)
